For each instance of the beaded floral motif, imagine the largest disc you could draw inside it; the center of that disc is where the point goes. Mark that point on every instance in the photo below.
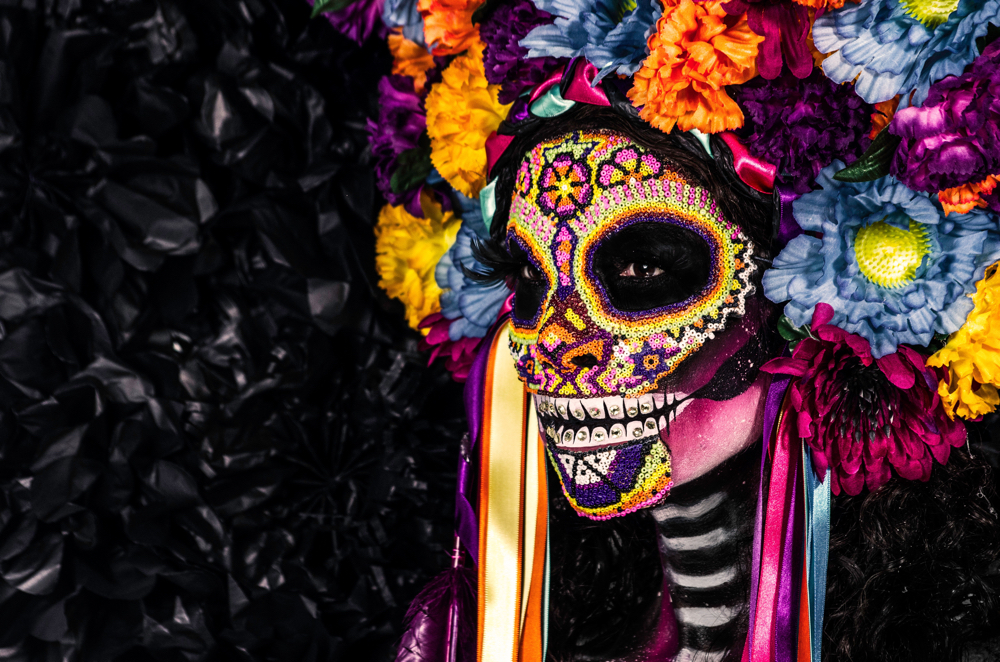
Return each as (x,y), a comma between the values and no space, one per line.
(570,194)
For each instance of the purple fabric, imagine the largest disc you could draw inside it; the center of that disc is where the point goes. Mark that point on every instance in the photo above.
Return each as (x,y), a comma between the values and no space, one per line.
(954,138)
(788,227)
(775,396)
(401,121)
(784,26)
(505,60)
(803,125)
(357,20)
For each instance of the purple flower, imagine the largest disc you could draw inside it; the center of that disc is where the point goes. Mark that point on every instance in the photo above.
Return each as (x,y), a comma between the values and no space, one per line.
(506,61)
(802,125)
(784,25)
(401,121)
(954,138)
(357,20)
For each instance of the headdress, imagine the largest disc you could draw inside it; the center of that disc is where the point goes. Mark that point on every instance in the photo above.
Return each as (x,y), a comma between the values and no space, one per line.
(875,126)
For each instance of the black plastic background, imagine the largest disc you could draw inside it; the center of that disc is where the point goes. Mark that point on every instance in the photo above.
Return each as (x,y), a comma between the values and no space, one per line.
(217,439)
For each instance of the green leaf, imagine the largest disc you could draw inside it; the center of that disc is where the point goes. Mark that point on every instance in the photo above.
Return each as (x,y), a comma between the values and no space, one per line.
(793,334)
(327,6)
(414,166)
(874,163)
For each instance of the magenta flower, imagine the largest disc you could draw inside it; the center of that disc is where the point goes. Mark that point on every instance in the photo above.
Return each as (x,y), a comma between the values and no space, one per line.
(954,138)
(861,415)
(784,25)
(401,121)
(459,354)
(507,62)
(802,125)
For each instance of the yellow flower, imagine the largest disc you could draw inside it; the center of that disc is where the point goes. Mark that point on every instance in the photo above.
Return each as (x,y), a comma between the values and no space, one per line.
(972,355)
(462,111)
(407,249)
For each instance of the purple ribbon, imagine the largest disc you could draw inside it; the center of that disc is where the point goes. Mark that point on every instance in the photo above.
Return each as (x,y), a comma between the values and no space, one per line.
(788,227)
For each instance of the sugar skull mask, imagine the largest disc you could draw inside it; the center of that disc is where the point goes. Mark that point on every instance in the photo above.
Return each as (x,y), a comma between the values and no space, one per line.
(631,269)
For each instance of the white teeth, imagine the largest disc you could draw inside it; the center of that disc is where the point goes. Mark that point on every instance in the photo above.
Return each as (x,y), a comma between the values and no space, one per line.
(681,407)
(594,407)
(615,407)
(576,408)
(634,430)
(599,435)
(562,405)
(663,422)
(567,437)
(651,425)
(658,400)
(582,437)
(617,432)
(670,398)
(631,407)
(646,404)
(551,433)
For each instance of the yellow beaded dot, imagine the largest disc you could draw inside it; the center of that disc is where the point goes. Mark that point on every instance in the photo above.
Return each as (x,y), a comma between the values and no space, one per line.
(889,256)
(931,13)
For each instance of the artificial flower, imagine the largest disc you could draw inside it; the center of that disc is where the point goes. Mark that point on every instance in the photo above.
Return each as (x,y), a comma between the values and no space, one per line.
(471,304)
(611,34)
(410,59)
(883,114)
(894,268)
(954,138)
(695,52)
(506,61)
(403,17)
(459,354)
(891,47)
(401,121)
(407,250)
(861,415)
(448,27)
(357,20)
(967,197)
(784,25)
(972,356)
(801,125)
(462,111)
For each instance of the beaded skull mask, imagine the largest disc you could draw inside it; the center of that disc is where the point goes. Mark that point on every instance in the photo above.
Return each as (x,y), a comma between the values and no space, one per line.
(630,270)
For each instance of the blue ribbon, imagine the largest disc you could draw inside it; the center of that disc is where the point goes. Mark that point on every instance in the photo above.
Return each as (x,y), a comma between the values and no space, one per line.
(818,502)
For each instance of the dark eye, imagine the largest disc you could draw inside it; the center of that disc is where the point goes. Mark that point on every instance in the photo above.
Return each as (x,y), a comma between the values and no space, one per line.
(530,287)
(651,265)
(529,272)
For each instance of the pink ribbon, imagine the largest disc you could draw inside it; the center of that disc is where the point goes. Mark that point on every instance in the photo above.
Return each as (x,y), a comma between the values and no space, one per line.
(755,173)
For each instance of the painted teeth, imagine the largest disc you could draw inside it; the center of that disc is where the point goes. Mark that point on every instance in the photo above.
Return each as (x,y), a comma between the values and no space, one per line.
(631,407)
(599,435)
(646,404)
(635,416)
(617,431)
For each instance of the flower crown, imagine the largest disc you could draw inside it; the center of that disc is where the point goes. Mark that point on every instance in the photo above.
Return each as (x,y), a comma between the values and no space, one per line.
(877,121)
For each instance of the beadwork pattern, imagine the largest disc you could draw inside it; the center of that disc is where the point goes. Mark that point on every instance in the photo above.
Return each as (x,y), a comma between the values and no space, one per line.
(570,194)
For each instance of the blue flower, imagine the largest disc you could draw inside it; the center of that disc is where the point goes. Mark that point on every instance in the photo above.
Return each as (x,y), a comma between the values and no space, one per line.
(895,46)
(473,306)
(894,268)
(404,14)
(611,34)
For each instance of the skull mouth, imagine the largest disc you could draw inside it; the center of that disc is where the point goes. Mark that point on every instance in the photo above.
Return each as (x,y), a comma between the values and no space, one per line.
(594,423)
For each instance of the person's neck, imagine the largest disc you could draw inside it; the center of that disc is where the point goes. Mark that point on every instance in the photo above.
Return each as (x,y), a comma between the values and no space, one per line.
(705,534)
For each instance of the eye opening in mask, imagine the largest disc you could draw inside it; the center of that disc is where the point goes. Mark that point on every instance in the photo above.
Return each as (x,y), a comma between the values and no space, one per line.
(651,265)
(530,284)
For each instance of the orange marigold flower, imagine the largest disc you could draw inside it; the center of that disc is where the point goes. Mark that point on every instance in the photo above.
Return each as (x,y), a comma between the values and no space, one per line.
(410,59)
(462,111)
(822,4)
(884,112)
(963,199)
(448,24)
(696,50)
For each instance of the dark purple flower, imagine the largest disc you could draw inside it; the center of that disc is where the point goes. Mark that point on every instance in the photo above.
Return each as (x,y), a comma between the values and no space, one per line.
(506,61)
(802,125)
(357,20)
(861,415)
(784,25)
(401,121)
(954,138)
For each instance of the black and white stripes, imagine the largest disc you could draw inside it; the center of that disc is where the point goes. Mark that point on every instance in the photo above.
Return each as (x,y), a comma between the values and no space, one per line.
(704,537)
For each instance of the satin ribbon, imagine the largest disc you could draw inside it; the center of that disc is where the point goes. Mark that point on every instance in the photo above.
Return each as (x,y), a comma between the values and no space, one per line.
(788,227)
(818,502)
(513,519)
(755,173)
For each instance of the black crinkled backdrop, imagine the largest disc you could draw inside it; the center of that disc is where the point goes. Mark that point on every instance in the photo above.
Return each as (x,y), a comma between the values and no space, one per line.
(217,439)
